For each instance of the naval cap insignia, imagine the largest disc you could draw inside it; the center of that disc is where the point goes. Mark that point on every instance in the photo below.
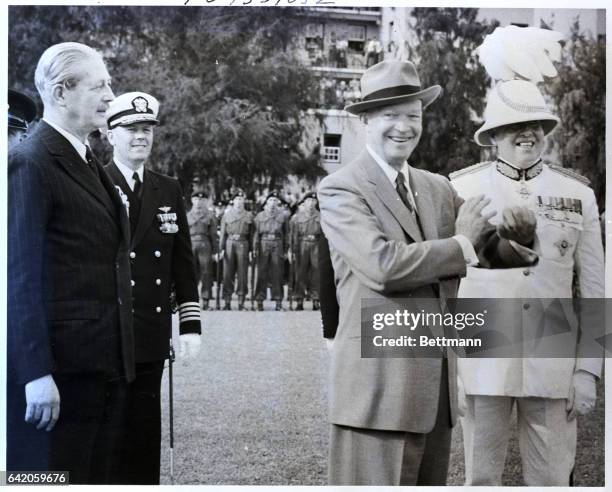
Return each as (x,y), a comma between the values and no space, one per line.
(165,209)
(140,104)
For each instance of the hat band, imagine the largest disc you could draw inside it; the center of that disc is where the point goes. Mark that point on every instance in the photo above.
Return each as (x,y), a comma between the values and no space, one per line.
(128,112)
(399,90)
(520,107)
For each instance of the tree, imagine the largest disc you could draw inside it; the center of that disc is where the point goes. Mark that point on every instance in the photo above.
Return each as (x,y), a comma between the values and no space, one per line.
(231,90)
(579,94)
(444,51)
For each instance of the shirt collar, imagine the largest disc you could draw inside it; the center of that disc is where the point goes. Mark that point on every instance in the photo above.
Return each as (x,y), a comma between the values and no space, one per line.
(128,172)
(390,171)
(80,147)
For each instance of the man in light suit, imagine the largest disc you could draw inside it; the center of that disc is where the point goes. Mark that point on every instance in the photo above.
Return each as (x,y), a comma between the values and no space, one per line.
(162,261)
(395,232)
(548,392)
(70,338)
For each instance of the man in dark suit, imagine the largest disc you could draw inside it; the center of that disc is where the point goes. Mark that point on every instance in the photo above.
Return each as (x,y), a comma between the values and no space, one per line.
(70,338)
(395,231)
(162,261)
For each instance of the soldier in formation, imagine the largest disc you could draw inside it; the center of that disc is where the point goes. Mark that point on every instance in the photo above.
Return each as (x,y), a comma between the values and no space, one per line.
(270,243)
(204,241)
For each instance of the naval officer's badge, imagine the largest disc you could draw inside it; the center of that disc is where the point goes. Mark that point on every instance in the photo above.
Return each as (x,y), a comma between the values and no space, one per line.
(167,221)
(140,104)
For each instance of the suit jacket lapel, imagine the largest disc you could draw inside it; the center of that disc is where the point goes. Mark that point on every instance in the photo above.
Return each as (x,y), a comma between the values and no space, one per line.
(423,195)
(388,195)
(124,221)
(147,207)
(74,165)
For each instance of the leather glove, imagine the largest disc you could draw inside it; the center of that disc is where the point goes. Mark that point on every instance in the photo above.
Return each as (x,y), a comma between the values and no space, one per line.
(42,402)
(329,343)
(519,224)
(583,394)
(189,345)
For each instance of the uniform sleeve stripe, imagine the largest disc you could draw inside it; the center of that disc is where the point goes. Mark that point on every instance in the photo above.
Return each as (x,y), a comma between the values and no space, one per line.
(190,318)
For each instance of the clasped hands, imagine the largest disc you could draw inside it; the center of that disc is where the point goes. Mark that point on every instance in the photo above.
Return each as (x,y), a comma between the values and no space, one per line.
(518,222)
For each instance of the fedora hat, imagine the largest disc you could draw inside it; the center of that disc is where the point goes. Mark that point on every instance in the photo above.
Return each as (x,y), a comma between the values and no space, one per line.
(392,82)
(514,101)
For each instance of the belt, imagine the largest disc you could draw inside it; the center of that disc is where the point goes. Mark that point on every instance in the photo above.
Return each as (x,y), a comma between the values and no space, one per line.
(237,237)
(310,237)
(270,237)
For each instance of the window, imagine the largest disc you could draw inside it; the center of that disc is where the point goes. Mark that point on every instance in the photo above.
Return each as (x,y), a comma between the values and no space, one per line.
(331,147)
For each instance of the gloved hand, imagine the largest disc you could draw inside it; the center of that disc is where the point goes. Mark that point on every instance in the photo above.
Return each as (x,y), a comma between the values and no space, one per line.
(583,394)
(329,343)
(189,345)
(42,402)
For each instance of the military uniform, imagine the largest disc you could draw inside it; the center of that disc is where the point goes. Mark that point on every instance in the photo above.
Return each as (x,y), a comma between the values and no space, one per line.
(305,242)
(236,236)
(270,241)
(204,241)
(568,240)
(161,261)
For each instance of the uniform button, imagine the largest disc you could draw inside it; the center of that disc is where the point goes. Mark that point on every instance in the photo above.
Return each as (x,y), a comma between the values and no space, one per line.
(119,301)
(133,283)
(157,254)
(526,306)
(132,255)
(158,281)
(158,309)
(526,272)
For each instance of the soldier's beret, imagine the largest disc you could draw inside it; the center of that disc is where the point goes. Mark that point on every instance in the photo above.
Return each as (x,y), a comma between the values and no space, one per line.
(199,192)
(239,193)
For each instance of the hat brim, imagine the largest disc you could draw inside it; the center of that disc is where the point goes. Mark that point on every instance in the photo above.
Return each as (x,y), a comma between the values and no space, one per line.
(427,96)
(483,138)
(23,104)
(134,118)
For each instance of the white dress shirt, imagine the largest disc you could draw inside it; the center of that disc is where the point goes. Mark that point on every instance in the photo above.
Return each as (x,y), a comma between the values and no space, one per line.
(80,147)
(128,172)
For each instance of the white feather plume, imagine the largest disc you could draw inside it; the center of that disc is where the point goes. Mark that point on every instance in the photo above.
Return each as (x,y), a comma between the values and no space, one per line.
(513,52)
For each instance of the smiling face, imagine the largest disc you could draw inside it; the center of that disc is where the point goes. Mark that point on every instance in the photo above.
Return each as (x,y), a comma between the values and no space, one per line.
(520,144)
(132,143)
(393,132)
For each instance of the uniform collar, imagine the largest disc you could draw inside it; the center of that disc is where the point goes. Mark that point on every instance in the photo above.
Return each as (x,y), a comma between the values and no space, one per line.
(80,147)
(128,172)
(517,174)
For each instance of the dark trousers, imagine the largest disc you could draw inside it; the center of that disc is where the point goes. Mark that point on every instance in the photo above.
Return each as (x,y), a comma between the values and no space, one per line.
(236,263)
(202,256)
(141,451)
(270,270)
(381,457)
(88,436)
(308,276)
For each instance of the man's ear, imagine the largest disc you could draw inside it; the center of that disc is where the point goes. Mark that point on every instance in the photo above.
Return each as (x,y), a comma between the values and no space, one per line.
(58,94)
(111,137)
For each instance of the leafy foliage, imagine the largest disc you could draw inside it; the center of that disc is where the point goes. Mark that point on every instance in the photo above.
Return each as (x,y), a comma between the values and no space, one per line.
(231,90)
(579,94)
(444,51)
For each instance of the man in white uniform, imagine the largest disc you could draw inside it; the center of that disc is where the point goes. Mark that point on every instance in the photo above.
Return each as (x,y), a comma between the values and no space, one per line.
(548,392)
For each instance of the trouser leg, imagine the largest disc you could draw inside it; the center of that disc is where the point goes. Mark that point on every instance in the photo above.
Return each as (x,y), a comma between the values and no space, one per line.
(486,430)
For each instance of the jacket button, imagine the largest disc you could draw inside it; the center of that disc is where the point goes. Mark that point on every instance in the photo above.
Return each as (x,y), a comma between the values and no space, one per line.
(158,281)
(158,309)
(526,273)
(157,254)
(132,255)
(133,283)
(119,301)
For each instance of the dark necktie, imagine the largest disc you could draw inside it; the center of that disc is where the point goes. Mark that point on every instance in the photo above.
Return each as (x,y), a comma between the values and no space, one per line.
(137,184)
(92,162)
(402,191)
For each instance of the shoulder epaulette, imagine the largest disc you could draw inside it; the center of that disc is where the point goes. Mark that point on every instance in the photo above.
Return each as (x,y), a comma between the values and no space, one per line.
(570,173)
(468,170)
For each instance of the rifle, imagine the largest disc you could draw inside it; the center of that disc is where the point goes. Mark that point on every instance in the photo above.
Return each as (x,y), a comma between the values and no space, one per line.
(253,272)
(218,275)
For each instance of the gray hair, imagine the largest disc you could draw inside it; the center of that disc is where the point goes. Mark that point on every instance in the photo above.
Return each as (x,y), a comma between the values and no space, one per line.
(58,64)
